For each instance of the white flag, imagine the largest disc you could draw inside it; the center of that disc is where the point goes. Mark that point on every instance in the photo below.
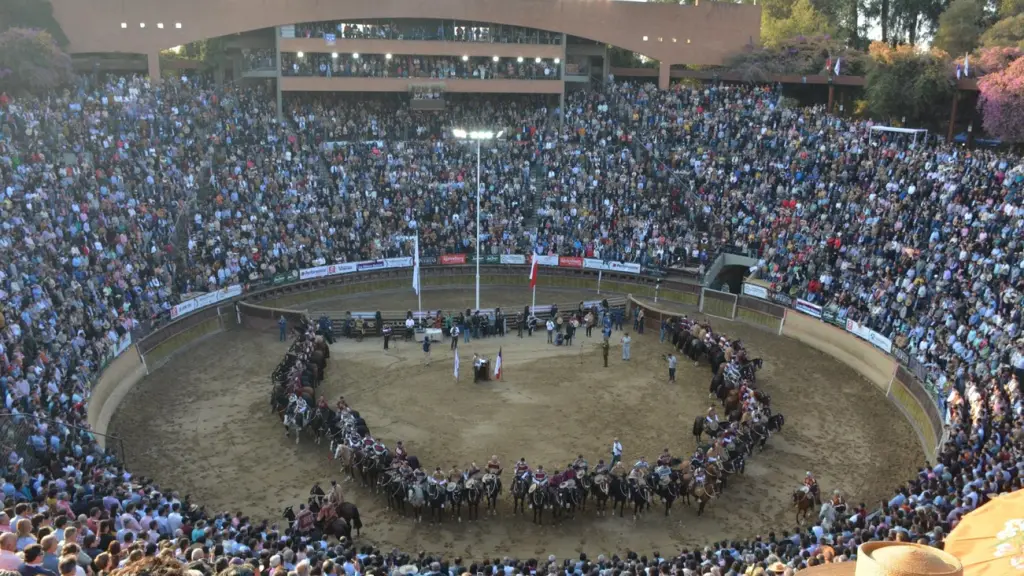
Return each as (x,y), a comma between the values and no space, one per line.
(967,65)
(456,365)
(416,269)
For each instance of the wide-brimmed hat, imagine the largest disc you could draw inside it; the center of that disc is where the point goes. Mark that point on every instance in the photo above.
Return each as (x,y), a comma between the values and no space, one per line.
(893,559)
(408,570)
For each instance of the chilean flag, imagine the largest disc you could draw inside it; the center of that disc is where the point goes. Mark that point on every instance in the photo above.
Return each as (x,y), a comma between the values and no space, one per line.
(533,273)
(497,366)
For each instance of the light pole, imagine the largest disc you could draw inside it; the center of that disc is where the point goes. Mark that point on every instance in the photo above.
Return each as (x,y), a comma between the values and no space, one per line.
(477,136)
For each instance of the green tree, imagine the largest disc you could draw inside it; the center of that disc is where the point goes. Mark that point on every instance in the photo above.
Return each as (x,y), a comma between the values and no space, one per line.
(803,20)
(1007,32)
(1008,8)
(904,85)
(31,61)
(31,14)
(960,27)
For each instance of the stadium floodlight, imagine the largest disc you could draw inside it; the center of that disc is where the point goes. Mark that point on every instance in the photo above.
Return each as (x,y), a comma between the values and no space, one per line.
(477,136)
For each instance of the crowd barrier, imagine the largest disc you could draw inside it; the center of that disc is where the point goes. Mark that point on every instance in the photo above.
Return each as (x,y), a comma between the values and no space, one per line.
(261,307)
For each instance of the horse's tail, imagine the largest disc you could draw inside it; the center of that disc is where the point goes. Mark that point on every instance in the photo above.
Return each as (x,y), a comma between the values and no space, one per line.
(356,522)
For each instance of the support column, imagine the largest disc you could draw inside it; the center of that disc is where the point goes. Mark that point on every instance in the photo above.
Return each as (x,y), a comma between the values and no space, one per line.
(664,75)
(277,72)
(561,76)
(153,59)
(831,95)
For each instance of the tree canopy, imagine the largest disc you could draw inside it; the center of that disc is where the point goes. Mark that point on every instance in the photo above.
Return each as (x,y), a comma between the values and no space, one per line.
(31,60)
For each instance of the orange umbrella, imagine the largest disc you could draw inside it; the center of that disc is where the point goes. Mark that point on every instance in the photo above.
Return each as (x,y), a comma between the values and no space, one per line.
(990,540)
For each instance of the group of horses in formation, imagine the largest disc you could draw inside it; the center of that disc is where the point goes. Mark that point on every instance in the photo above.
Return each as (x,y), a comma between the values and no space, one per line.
(293,397)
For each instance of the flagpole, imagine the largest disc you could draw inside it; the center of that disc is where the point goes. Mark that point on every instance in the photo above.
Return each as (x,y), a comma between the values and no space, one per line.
(419,289)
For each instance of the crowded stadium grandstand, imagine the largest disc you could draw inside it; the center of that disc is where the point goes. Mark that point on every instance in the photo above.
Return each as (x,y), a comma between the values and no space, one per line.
(128,196)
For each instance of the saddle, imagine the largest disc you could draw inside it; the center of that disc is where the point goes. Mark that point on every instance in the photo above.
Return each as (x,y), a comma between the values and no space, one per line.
(472,482)
(452,487)
(487,478)
(533,488)
(601,479)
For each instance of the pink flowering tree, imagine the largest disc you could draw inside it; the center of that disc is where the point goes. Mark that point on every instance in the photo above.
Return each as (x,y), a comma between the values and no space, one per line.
(1002,102)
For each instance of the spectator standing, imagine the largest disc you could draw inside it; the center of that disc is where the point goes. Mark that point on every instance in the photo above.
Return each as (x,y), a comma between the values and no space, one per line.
(672,361)
(282,325)
(33,562)
(616,452)
(626,341)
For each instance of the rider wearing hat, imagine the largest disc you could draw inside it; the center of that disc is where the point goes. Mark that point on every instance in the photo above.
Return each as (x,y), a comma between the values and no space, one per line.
(454,475)
(522,468)
(494,465)
(540,477)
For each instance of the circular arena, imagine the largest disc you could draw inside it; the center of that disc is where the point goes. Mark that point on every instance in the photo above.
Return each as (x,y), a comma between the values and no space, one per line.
(202,424)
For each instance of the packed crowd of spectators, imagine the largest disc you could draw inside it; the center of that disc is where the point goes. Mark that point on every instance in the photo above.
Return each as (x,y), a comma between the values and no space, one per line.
(403,66)
(116,198)
(437,30)
(259,59)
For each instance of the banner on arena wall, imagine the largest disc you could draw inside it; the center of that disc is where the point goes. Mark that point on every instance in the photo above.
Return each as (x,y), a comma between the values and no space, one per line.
(428,260)
(512,259)
(901,355)
(597,264)
(755,291)
(123,343)
(543,260)
(205,300)
(329,270)
(783,299)
(830,316)
(490,259)
(450,259)
(330,39)
(807,308)
(865,333)
(570,262)
(371,265)
(285,277)
(404,262)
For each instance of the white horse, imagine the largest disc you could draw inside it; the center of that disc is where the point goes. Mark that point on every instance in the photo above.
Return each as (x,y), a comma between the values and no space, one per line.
(295,417)
(827,516)
(417,498)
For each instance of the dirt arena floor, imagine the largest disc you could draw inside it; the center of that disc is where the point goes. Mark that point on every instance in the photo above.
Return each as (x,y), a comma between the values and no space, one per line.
(202,425)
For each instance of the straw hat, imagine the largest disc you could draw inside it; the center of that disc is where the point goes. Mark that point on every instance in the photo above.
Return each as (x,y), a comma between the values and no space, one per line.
(893,559)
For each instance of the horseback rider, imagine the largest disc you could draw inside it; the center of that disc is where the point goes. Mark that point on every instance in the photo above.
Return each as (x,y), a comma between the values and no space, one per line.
(697,461)
(334,496)
(438,477)
(838,502)
(522,468)
(473,470)
(404,468)
(569,473)
(580,463)
(400,452)
(540,477)
(641,465)
(494,465)
(714,453)
(618,470)
(418,475)
(665,459)
(711,420)
(454,475)
(700,476)
(601,468)
(810,485)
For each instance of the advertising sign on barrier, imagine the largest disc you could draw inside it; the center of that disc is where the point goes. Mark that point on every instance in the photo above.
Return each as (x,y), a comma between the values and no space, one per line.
(512,259)
(490,259)
(205,300)
(808,308)
(285,277)
(596,264)
(570,262)
(123,343)
(543,260)
(755,291)
(830,316)
(428,260)
(449,259)
(371,265)
(865,333)
(405,262)
(783,299)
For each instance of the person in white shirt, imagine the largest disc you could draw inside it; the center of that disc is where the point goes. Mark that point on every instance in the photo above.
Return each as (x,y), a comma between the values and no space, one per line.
(551,331)
(616,452)
(174,519)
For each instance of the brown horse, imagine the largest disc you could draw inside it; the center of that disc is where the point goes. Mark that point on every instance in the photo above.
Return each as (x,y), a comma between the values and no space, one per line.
(804,504)
(702,493)
(732,401)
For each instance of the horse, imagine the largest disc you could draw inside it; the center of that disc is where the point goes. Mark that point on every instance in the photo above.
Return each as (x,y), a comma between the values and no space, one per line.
(539,497)
(620,492)
(492,490)
(640,492)
(667,491)
(416,496)
(456,495)
(472,495)
(350,513)
(827,516)
(701,426)
(519,489)
(437,498)
(570,497)
(394,489)
(294,420)
(347,456)
(599,487)
(803,502)
(702,493)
